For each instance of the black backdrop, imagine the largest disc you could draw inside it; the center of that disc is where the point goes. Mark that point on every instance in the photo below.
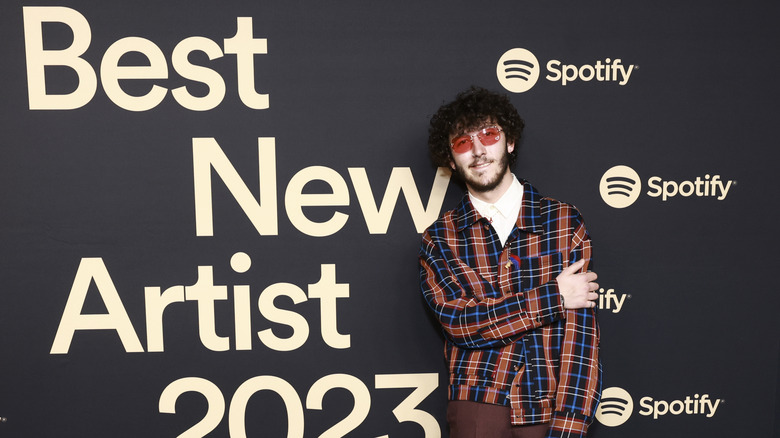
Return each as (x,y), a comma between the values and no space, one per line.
(98,206)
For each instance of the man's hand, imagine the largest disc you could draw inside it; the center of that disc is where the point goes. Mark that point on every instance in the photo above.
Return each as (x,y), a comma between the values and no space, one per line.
(577,288)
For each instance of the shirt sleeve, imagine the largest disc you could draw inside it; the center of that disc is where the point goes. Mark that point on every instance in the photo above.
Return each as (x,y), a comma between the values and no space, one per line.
(473,323)
(568,425)
(579,381)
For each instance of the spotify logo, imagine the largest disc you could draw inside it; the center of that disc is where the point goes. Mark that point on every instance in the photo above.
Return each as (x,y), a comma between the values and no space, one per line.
(518,70)
(620,186)
(615,408)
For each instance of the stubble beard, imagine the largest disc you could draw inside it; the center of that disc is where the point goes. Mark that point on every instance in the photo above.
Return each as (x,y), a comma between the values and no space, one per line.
(477,185)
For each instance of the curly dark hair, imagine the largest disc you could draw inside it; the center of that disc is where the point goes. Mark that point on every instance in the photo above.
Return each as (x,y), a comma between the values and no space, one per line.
(470,110)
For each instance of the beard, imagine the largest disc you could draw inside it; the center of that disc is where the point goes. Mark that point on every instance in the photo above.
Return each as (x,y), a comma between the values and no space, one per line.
(482,186)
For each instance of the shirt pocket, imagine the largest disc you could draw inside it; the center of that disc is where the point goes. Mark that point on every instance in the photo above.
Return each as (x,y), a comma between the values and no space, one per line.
(532,272)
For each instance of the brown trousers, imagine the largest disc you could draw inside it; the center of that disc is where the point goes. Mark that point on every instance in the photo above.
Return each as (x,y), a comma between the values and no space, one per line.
(481,420)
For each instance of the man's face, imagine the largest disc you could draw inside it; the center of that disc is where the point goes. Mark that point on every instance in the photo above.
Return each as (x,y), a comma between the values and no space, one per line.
(483,168)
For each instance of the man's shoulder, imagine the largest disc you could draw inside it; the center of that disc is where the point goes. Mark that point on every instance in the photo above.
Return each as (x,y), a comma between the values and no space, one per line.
(551,211)
(555,214)
(447,221)
(550,205)
(448,224)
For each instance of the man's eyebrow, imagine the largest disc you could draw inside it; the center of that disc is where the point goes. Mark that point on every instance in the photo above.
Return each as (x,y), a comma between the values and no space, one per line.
(475,127)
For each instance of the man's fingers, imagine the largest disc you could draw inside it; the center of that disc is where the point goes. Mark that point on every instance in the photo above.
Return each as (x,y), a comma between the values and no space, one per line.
(578,288)
(591,276)
(574,267)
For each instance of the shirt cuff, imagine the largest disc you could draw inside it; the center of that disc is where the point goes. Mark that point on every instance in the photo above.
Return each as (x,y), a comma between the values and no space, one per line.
(568,425)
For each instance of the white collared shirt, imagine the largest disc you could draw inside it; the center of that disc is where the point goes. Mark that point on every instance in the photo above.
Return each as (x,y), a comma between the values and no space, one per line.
(503,214)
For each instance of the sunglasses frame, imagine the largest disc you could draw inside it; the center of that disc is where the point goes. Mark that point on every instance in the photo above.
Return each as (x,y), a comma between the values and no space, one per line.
(480,134)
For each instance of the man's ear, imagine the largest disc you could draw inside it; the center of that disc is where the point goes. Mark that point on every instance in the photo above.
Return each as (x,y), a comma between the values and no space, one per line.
(452,164)
(510,147)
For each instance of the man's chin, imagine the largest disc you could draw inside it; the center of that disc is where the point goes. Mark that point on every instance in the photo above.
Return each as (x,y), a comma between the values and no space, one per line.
(482,188)
(480,185)
(479,182)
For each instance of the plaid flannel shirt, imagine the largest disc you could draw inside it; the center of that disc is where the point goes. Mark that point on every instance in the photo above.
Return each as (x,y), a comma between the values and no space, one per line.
(509,341)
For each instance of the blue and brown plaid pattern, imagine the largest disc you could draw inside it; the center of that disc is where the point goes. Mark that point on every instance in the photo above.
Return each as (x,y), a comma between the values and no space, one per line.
(509,341)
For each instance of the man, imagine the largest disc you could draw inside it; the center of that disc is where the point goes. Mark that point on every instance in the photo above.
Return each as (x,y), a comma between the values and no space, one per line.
(506,275)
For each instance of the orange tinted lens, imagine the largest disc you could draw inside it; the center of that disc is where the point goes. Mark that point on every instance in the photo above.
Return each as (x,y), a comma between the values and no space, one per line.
(489,136)
(461,144)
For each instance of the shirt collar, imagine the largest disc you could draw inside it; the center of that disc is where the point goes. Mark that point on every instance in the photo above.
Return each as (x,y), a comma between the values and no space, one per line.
(508,205)
(529,219)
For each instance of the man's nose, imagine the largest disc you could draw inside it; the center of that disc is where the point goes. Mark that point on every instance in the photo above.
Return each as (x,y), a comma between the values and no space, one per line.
(478,149)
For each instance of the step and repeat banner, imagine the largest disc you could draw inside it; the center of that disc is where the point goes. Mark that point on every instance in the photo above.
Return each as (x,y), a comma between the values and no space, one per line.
(210,212)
